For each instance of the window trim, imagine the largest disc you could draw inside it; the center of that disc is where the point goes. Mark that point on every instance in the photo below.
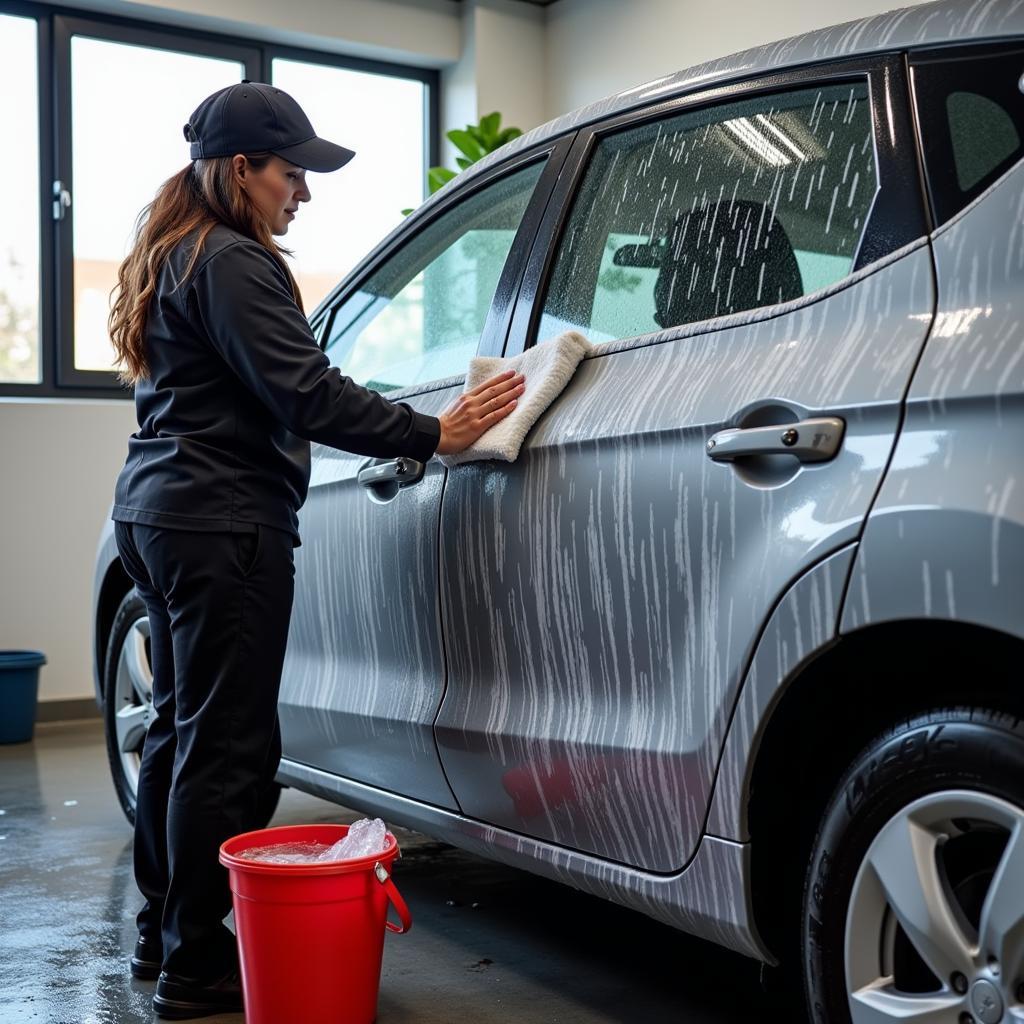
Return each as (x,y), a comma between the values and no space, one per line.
(55,24)
(499,316)
(897,215)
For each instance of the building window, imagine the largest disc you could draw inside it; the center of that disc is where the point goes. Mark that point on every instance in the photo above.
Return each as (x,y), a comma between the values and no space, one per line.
(20,359)
(98,104)
(117,173)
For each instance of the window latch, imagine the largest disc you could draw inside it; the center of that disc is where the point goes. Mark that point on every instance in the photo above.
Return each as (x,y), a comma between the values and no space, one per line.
(61,200)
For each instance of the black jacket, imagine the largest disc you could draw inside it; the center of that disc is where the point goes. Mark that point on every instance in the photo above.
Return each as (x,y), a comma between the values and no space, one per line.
(237,389)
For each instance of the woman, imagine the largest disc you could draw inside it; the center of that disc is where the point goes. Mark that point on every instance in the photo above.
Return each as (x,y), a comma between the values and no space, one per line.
(230,388)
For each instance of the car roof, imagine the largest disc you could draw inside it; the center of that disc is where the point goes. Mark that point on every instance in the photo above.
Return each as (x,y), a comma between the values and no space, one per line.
(930,24)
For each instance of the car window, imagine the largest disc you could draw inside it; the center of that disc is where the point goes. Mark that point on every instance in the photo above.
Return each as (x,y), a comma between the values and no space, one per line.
(715,211)
(971,112)
(318,329)
(419,316)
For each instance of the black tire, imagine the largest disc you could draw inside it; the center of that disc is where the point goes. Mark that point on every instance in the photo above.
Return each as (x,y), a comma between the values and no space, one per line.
(129,612)
(956,749)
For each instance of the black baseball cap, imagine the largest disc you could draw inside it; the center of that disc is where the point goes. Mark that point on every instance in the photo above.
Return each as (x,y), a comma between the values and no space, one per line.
(253,117)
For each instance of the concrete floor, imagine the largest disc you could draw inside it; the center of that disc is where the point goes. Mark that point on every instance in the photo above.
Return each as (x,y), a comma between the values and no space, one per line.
(489,943)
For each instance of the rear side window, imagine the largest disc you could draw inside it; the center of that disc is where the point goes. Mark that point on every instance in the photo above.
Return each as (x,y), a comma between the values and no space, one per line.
(971,111)
(715,211)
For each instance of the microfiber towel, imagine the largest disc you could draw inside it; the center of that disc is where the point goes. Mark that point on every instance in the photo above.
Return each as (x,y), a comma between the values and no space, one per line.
(548,367)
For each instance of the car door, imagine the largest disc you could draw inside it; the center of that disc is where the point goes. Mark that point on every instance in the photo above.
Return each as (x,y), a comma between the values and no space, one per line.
(364,670)
(752,265)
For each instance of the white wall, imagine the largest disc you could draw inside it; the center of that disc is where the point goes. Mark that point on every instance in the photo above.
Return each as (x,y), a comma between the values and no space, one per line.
(510,59)
(501,67)
(599,47)
(58,462)
(422,32)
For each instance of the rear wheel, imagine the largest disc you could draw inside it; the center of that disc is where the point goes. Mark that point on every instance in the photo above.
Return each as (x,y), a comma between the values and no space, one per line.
(128,705)
(914,901)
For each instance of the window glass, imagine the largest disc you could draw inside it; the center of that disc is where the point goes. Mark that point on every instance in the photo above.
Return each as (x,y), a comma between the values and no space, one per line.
(715,211)
(382,118)
(983,136)
(117,172)
(419,317)
(19,180)
(971,112)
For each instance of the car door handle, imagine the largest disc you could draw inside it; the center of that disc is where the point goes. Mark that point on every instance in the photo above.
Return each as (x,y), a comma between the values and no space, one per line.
(400,471)
(813,440)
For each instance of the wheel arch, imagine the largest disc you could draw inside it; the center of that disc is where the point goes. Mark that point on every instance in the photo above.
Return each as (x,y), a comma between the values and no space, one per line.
(829,709)
(115,585)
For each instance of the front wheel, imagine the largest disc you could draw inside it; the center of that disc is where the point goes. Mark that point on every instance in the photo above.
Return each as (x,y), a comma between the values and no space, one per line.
(127,697)
(914,900)
(128,706)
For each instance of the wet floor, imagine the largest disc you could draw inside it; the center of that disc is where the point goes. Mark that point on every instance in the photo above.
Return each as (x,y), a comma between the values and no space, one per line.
(489,943)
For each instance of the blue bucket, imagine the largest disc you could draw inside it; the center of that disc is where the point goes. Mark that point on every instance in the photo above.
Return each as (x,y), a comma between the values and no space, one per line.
(19,691)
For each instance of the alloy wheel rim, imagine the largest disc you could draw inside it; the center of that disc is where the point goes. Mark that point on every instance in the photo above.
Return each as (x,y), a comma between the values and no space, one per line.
(133,696)
(904,893)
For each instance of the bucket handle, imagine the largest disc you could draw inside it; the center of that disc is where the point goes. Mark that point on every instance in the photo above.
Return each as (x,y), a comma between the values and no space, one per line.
(396,899)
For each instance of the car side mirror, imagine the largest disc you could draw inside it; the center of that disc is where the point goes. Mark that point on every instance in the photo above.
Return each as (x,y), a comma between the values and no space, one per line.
(643,255)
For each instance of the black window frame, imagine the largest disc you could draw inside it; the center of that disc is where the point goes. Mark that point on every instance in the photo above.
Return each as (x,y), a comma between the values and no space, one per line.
(55,26)
(898,214)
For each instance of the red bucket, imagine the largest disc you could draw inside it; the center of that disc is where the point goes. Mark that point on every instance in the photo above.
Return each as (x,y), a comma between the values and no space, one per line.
(311,936)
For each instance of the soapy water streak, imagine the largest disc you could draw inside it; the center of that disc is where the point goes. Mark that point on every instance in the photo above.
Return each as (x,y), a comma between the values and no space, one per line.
(364,839)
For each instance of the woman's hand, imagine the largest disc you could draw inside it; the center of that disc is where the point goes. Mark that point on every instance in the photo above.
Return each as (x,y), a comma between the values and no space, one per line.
(478,410)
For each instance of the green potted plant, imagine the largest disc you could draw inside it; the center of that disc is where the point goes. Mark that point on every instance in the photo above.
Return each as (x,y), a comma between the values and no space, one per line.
(474,142)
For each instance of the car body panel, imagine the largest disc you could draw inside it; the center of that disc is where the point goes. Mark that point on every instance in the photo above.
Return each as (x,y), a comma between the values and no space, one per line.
(710,898)
(364,670)
(603,594)
(106,556)
(957,472)
(802,625)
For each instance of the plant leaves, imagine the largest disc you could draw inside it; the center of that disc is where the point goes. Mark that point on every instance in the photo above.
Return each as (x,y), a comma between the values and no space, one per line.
(466,143)
(438,177)
(474,141)
(489,125)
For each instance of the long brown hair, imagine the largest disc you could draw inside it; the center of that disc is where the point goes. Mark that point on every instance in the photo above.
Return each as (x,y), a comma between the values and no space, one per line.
(199,196)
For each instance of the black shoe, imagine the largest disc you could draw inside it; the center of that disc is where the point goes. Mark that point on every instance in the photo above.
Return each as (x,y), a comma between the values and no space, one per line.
(179,998)
(147,959)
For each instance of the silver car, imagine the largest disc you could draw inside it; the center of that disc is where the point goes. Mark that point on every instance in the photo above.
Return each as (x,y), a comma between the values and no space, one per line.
(737,640)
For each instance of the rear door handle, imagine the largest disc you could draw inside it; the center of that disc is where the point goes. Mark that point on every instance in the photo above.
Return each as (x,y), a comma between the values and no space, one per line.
(400,471)
(813,440)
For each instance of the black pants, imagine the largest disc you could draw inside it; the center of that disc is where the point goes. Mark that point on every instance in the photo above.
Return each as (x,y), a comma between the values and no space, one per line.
(219,605)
